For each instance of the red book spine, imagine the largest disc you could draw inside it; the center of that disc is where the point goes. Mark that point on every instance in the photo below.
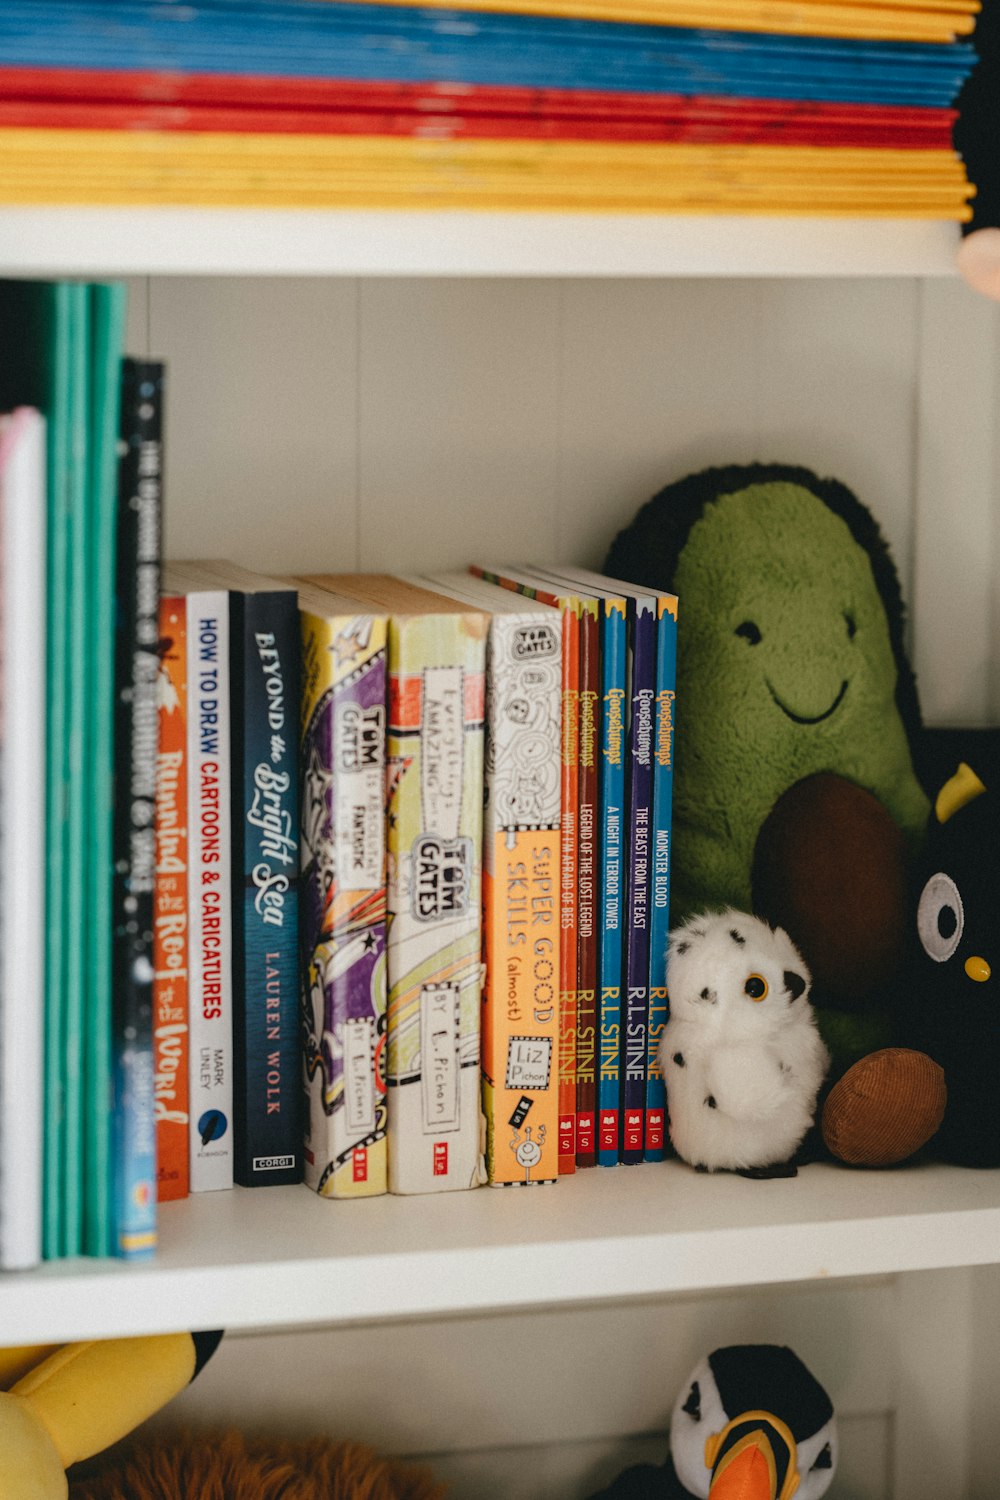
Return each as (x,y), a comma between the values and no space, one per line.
(586,946)
(448,122)
(170,910)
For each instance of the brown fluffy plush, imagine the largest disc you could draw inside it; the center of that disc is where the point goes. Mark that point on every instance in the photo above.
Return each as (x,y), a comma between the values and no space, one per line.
(232,1467)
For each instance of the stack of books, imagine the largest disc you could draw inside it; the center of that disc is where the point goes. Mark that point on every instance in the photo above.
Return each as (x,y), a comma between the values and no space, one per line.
(732,106)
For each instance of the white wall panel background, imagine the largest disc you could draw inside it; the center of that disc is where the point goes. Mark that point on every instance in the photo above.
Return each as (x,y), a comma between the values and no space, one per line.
(459,386)
(955,515)
(384,423)
(545,1406)
(261,436)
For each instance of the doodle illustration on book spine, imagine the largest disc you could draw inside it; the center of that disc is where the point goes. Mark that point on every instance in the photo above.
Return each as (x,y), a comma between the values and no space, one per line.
(344,909)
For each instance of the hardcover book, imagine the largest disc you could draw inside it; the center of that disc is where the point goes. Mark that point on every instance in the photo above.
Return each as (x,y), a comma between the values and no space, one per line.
(210,974)
(437,660)
(170,911)
(535,586)
(343,894)
(264,676)
(136,724)
(520,1041)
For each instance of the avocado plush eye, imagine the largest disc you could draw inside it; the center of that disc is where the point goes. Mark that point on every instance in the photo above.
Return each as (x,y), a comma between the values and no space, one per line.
(852,625)
(940,917)
(749,631)
(756,987)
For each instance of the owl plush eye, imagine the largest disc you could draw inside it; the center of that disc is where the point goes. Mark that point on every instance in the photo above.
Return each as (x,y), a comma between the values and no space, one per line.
(756,987)
(940,917)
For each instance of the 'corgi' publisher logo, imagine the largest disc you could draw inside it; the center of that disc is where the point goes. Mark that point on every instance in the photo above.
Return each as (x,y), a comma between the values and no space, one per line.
(272,1163)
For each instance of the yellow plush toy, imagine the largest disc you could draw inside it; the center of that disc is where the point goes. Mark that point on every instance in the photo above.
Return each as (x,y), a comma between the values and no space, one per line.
(61,1405)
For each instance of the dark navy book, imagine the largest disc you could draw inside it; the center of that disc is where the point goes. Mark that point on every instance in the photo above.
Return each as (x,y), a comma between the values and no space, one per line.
(136,729)
(265,668)
(638,867)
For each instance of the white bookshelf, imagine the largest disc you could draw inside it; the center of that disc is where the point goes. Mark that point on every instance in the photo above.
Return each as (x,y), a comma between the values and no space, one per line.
(355,391)
(251,242)
(282,1258)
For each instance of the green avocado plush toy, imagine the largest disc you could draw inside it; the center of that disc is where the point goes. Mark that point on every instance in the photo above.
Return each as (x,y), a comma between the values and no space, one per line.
(795,794)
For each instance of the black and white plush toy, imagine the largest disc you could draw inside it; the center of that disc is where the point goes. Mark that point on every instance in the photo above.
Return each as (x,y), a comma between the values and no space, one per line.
(741,1054)
(752,1423)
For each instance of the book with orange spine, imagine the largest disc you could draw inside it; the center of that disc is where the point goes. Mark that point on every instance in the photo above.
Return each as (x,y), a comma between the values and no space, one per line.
(536,586)
(520,1030)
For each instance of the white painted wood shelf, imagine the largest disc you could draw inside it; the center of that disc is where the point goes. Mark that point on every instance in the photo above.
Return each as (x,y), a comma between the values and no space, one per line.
(280,1257)
(47,241)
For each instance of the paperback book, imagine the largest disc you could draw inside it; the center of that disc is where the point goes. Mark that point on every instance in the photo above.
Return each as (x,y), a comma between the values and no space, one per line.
(210,1010)
(521,838)
(136,725)
(437,661)
(170,911)
(535,586)
(343,893)
(613,721)
(264,676)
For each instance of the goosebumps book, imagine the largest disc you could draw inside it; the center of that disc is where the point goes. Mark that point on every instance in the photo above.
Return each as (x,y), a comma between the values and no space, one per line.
(343,896)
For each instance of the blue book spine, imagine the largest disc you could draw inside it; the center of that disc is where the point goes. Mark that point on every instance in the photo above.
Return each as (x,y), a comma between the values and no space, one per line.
(611,882)
(643,694)
(659,915)
(267,1105)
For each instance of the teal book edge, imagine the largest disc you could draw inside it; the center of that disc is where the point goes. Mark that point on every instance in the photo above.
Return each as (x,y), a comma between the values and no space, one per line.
(107,338)
(80,700)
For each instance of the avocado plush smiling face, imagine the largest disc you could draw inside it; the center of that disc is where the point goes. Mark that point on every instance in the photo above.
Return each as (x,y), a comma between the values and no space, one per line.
(785,669)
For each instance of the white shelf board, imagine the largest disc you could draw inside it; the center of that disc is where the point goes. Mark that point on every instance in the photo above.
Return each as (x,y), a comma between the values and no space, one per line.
(282,1257)
(136,241)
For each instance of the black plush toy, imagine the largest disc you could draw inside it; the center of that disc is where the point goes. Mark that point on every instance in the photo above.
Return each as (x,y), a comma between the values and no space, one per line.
(950,1005)
(751,1423)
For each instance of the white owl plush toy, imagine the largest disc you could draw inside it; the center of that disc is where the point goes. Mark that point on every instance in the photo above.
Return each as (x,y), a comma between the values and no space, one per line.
(741,1055)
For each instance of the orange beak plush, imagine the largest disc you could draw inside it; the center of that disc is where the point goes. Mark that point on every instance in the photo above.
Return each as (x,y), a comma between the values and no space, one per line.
(751,1423)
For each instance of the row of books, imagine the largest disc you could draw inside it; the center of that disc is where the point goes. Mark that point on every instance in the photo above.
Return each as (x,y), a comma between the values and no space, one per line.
(243,859)
(80,476)
(481,894)
(696,105)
